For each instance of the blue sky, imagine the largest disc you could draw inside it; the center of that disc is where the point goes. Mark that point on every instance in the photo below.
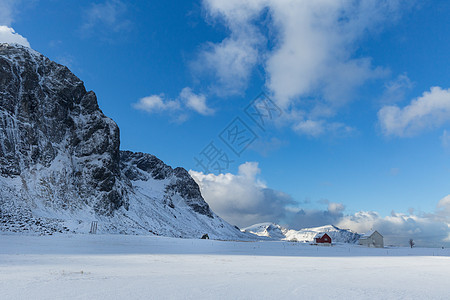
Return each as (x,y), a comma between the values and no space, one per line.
(363,137)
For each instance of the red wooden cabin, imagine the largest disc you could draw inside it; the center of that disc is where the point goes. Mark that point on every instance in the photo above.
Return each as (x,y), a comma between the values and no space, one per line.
(323,238)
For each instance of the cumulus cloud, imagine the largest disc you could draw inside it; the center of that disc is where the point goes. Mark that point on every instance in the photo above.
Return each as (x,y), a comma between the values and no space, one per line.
(310,127)
(156,103)
(335,208)
(231,61)
(316,43)
(187,100)
(445,138)
(305,218)
(315,128)
(196,102)
(8,35)
(105,17)
(265,145)
(395,90)
(427,229)
(429,111)
(7,11)
(443,208)
(306,48)
(398,228)
(242,198)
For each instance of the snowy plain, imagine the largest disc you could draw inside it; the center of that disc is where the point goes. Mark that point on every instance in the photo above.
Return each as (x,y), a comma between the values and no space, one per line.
(148,267)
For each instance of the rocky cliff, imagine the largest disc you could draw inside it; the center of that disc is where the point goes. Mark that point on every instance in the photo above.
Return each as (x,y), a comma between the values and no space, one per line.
(61,167)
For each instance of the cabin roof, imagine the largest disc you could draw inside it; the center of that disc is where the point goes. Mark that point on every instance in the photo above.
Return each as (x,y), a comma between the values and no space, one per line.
(369,234)
(320,235)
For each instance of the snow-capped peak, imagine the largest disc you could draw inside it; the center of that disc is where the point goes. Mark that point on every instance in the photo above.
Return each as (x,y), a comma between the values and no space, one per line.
(277,232)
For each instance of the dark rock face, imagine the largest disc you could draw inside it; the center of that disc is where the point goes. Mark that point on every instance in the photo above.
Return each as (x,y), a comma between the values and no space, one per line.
(45,113)
(142,166)
(137,166)
(187,188)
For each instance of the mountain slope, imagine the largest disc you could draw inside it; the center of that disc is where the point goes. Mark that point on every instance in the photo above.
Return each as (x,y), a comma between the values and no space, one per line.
(61,167)
(270,230)
(306,235)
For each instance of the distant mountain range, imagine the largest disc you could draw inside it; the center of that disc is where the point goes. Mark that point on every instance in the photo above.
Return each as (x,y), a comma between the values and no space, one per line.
(307,235)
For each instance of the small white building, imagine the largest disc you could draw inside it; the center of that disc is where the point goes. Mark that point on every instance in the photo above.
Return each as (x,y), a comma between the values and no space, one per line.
(372,239)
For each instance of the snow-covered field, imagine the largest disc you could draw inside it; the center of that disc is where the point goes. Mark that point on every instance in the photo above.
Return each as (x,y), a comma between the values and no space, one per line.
(144,267)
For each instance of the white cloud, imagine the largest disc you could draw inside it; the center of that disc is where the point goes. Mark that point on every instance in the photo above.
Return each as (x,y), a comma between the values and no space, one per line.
(444,206)
(6,11)
(265,145)
(187,100)
(429,111)
(316,128)
(305,218)
(395,90)
(316,42)
(8,35)
(242,198)
(335,208)
(231,61)
(310,127)
(445,138)
(398,228)
(105,17)
(156,103)
(196,102)
(307,48)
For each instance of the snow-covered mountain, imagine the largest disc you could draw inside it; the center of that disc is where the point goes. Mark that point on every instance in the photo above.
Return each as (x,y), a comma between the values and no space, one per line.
(306,235)
(337,235)
(270,230)
(61,167)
